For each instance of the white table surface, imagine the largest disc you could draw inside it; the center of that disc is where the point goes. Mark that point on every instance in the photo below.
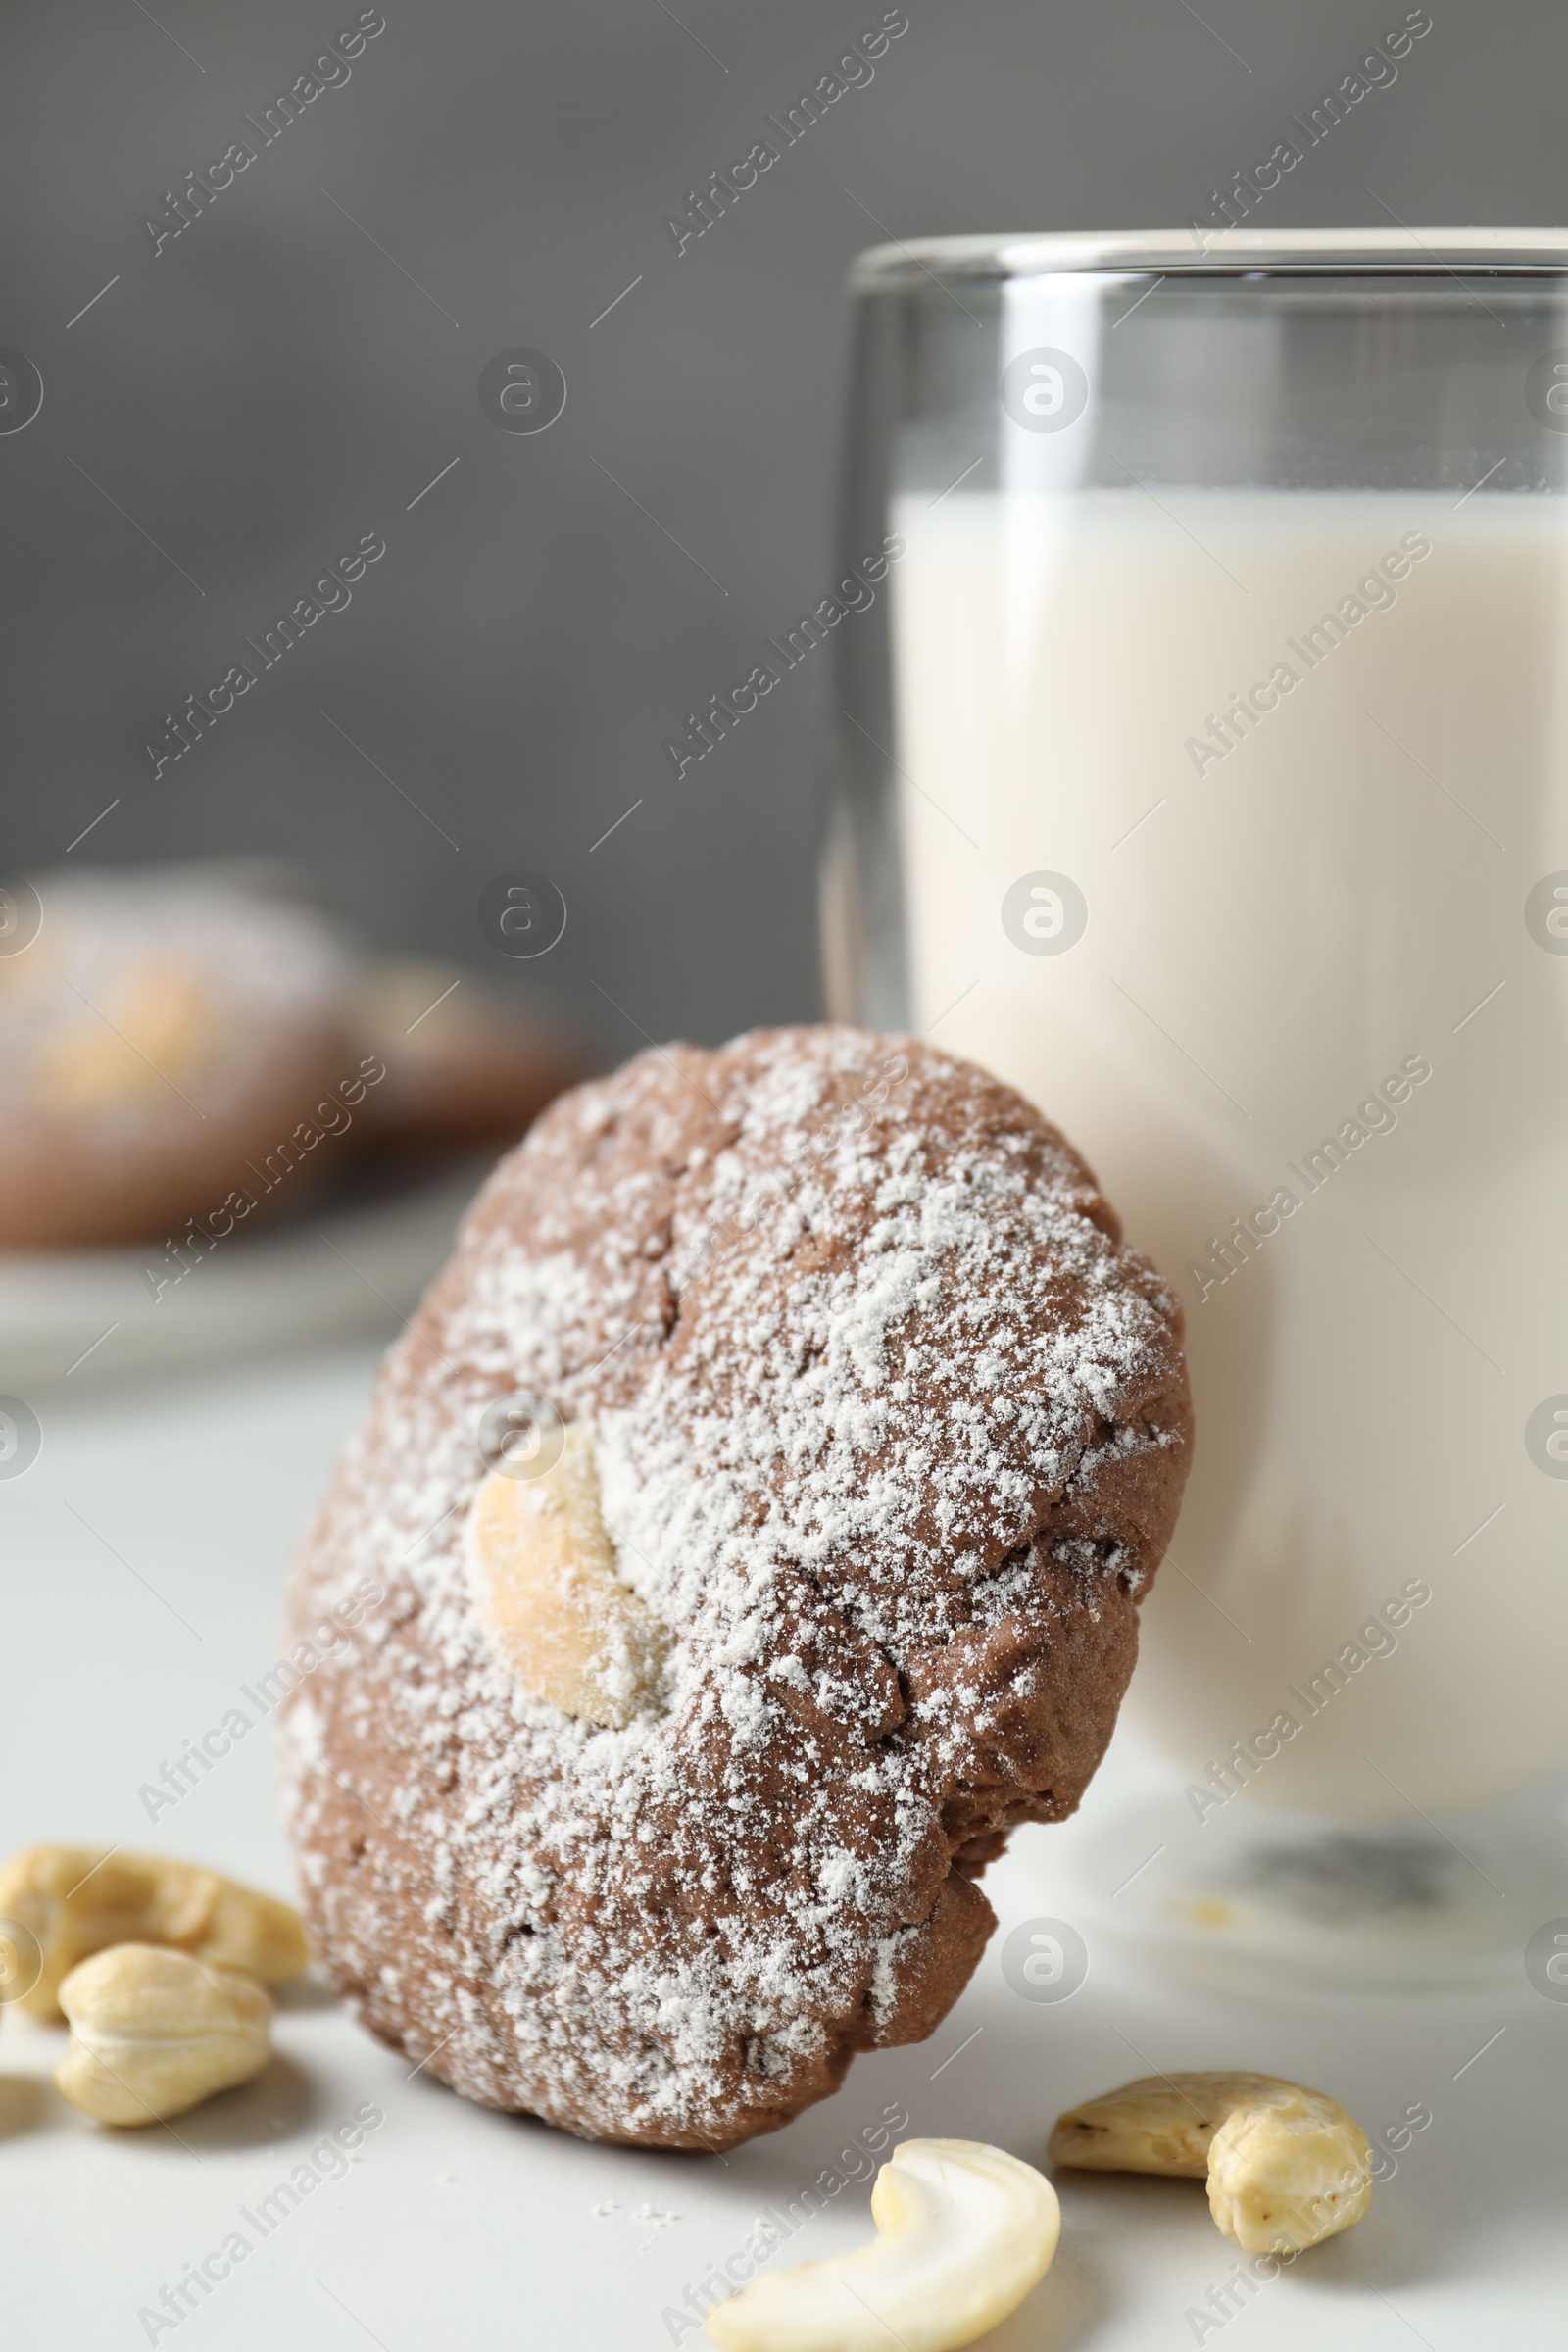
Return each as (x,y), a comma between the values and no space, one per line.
(143,1553)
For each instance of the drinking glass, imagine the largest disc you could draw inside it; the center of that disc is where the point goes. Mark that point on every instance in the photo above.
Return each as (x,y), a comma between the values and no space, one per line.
(1201,767)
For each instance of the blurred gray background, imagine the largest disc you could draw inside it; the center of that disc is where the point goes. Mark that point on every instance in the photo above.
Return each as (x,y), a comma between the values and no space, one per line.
(303,361)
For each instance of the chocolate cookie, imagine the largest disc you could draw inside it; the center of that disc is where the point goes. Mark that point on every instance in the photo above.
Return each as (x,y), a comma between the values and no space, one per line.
(463,1066)
(656,1780)
(161,1039)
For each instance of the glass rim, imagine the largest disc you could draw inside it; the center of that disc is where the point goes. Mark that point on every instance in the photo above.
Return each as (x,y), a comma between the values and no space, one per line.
(1227,252)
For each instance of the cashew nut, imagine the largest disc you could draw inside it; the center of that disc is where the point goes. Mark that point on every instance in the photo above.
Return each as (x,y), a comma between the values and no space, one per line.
(76,1899)
(160,1018)
(1286,2167)
(542,1574)
(964,2233)
(154,2031)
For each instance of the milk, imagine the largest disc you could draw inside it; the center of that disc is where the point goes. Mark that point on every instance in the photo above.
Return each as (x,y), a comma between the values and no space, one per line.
(1306,927)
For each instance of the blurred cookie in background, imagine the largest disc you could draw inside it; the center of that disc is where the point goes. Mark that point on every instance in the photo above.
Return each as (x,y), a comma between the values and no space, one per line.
(463,1066)
(163,1033)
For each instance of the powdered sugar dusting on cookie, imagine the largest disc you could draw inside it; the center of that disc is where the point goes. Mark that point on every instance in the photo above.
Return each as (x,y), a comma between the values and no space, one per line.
(889,1430)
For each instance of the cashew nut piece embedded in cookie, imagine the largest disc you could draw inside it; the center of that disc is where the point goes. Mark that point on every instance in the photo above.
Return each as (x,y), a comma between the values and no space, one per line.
(154,2031)
(76,1899)
(1286,2166)
(964,2233)
(159,1020)
(542,1573)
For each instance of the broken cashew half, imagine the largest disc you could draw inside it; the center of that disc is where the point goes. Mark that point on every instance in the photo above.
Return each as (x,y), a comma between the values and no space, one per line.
(1286,2167)
(964,2233)
(542,1575)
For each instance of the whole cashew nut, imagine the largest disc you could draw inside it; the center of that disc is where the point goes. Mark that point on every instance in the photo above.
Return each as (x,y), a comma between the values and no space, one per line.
(964,2233)
(154,2031)
(1286,2167)
(73,1900)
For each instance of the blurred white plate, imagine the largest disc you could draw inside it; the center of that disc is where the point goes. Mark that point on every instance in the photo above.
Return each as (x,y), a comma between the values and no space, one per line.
(351,1267)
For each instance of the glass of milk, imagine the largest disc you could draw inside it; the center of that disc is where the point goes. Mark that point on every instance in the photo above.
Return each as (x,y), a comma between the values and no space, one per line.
(1203,771)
